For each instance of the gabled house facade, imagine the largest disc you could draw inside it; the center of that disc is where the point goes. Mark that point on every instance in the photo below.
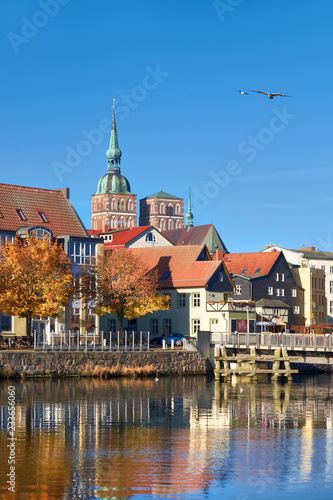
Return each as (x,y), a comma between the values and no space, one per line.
(314,270)
(189,276)
(267,276)
(47,212)
(140,236)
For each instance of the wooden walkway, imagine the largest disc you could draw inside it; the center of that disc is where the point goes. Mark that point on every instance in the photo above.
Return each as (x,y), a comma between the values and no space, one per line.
(252,365)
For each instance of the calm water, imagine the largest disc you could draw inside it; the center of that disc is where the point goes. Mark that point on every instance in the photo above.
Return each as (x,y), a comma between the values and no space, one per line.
(171,438)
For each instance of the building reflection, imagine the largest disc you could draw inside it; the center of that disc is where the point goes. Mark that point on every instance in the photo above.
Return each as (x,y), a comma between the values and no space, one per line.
(118,438)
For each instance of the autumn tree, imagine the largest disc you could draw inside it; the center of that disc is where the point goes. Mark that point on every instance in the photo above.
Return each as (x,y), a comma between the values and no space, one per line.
(35,279)
(123,285)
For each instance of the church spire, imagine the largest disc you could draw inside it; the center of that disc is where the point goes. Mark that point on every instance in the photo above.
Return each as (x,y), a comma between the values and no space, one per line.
(113,153)
(189,215)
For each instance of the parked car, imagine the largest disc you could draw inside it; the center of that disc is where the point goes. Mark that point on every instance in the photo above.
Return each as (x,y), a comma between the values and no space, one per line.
(178,339)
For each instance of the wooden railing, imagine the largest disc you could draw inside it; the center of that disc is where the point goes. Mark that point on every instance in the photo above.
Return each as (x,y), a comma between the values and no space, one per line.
(272,340)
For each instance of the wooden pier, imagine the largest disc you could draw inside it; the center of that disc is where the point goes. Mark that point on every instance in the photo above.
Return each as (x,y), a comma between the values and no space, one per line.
(249,364)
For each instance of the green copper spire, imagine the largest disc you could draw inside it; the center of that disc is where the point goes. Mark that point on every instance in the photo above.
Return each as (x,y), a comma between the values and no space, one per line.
(189,215)
(113,153)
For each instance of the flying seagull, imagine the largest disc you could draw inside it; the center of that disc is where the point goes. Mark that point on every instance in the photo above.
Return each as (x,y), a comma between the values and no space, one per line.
(270,95)
(242,92)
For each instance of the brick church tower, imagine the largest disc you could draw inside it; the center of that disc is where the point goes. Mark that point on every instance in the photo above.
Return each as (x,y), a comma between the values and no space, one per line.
(162,210)
(113,205)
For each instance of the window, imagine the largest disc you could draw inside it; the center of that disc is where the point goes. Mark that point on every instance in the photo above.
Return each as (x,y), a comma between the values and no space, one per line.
(112,325)
(181,300)
(150,237)
(121,205)
(238,289)
(282,292)
(323,268)
(196,300)
(74,320)
(257,270)
(220,276)
(90,321)
(5,323)
(39,233)
(195,326)
(113,224)
(129,222)
(270,290)
(167,325)
(214,325)
(162,209)
(331,286)
(331,306)
(296,309)
(244,271)
(276,312)
(154,326)
(113,204)
(129,206)
(294,292)
(233,325)
(277,292)
(20,214)
(331,269)
(81,252)
(169,210)
(170,224)
(166,275)
(161,225)
(42,217)
(277,277)
(282,277)
(177,209)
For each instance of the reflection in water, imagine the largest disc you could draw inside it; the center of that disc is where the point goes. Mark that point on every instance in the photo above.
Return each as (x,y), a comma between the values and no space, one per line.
(80,439)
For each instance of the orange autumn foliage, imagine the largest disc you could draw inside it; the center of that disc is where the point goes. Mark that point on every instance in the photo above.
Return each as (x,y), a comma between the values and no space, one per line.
(123,285)
(35,279)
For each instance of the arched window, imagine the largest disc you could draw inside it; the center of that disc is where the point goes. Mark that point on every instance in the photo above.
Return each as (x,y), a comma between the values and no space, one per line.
(113,204)
(121,205)
(161,224)
(129,205)
(177,209)
(121,222)
(113,224)
(162,209)
(169,210)
(151,237)
(170,225)
(129,222)
(178,225)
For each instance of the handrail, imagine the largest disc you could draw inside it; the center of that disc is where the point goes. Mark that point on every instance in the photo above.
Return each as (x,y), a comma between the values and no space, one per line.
(293,341)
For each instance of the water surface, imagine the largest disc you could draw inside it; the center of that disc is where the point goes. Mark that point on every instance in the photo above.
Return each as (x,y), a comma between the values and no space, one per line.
(171,438)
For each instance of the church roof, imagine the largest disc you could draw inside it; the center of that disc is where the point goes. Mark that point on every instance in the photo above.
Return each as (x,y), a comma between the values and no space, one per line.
(113,182)
(22,206)
(163,194)
(196,235)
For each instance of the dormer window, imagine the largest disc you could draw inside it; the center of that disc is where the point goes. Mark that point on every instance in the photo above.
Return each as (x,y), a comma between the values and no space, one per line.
(42,217)
(244,271)
(150,237)
(257,270)
(20,214)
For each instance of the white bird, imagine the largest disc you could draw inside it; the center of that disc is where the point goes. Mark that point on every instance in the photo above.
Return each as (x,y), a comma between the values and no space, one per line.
(241,390)
(242,92)
(269,94)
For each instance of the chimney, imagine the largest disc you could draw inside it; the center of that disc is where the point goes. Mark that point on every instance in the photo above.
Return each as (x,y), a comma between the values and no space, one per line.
(218,255)
(311,249)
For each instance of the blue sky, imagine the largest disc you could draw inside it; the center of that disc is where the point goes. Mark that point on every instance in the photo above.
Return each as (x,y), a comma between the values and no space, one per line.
(259,169)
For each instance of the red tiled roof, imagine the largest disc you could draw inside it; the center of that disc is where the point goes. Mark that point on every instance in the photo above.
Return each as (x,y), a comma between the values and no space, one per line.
(181,261)
(194,236)
(252,262)
(59,212)
(121,237)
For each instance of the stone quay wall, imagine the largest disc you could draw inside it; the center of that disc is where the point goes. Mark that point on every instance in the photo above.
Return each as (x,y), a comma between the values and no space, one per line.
(14,364)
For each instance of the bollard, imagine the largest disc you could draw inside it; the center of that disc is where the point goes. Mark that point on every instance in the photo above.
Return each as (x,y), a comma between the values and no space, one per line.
(172,344)
(163,344)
